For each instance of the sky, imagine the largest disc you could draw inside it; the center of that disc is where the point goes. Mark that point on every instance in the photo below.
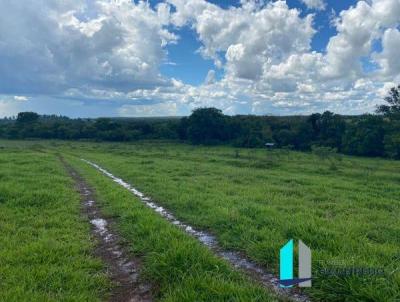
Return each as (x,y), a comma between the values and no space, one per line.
(96,58)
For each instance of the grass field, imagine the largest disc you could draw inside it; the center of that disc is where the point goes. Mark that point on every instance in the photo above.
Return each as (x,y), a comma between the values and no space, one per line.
(45,249)
(345,209)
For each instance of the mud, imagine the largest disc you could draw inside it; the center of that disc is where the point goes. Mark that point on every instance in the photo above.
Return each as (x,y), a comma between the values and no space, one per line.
(122,268)
(236,259)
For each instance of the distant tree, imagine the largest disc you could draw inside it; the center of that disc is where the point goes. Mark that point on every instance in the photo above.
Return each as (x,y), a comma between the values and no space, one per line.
(26,125)
(182,128)
(392,144)
(368,135)
(314,121)
(365,136)
(393,100)
(391,112)
(105,124)
(27,117)
(328,129)
(303,137)
(207,126)
(165,131)
(250,132)
(285,138)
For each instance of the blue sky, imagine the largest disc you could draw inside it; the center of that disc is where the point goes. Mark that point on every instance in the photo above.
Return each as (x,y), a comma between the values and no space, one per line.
(90,58)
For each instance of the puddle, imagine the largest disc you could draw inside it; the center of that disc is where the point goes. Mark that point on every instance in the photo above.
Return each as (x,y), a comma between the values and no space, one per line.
(234,258)
(100,224)
(101,227)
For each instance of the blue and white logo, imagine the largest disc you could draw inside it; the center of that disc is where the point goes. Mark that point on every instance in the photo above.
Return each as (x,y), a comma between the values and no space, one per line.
(286,265)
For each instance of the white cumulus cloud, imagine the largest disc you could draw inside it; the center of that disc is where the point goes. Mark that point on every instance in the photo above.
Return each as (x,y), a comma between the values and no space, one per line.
(21,98)
(250,36)
(50,46)
(389,57)
(315,4)
(102,50)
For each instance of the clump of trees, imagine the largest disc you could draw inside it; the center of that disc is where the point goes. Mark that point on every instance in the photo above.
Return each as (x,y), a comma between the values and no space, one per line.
(31,125)
(367,135)
(391,113)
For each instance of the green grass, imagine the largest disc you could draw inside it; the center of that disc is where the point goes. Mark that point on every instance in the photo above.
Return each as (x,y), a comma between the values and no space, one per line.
(347,212)
(45,249)
(179,267)
(45,245)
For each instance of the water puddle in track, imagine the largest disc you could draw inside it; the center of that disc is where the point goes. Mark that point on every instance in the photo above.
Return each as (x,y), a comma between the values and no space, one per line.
(122,269)
(234,258)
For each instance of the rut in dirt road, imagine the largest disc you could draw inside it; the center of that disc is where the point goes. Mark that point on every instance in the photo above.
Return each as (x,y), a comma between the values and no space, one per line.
(122,268)
(236,259)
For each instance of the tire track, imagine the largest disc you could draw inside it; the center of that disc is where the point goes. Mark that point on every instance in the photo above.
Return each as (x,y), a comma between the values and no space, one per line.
(236,259)
(122,268)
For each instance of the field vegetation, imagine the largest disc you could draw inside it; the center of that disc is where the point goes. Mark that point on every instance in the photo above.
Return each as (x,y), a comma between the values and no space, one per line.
(45,247)
(344,208)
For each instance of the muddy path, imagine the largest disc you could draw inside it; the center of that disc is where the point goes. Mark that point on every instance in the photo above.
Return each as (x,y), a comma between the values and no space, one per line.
(237,260)
(122,268)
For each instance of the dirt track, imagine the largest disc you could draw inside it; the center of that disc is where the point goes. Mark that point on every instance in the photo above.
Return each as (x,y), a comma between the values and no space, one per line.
(237,260)
(122,268)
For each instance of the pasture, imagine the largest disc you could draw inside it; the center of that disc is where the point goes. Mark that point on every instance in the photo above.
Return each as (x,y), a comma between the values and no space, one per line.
(346,209)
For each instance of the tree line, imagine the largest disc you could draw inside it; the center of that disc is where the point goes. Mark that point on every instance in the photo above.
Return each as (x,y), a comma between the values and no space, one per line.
(366,135)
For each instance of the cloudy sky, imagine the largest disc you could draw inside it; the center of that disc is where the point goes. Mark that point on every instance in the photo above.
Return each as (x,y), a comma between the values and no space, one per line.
(89,58)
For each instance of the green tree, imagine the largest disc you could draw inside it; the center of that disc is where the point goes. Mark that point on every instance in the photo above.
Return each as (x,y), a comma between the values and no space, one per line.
(207,126)
(365,136)
(27,124)
(393,106)
(328,129)
(250,132)
(391,112)
(27,117)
